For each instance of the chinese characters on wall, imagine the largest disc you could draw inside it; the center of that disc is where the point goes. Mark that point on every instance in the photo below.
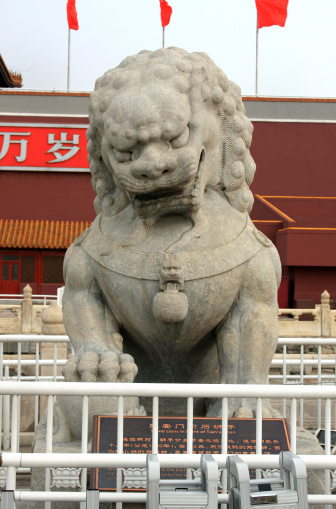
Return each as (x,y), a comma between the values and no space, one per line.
(28,147)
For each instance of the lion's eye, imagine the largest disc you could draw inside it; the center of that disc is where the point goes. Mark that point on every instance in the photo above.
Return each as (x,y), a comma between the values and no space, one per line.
(122,157)
(181,140)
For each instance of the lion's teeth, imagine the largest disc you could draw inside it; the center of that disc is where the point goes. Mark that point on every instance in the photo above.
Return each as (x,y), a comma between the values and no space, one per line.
(194,192)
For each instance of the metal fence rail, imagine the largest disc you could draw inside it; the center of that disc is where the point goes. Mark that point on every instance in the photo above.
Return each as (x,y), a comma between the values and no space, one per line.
(19,297)
(295,390)
(139,461)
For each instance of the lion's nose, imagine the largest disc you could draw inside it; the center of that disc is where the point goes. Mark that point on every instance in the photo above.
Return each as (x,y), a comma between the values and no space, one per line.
(150,172)
(153,166)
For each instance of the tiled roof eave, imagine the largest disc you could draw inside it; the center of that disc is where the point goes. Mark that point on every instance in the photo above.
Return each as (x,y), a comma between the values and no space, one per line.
(25,234)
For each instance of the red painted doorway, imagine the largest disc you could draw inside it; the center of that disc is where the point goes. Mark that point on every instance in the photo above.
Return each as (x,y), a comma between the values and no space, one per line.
(10,269)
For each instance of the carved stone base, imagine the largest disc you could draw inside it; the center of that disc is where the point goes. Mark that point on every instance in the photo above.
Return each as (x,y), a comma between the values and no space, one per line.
(66,479)
(307,443)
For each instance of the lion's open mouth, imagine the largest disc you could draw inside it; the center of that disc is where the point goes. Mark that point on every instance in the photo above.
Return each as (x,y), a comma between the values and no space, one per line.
(171,195)
(161,194)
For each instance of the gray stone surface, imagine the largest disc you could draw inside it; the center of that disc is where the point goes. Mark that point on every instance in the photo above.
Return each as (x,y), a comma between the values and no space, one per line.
(307,443)
(172,282)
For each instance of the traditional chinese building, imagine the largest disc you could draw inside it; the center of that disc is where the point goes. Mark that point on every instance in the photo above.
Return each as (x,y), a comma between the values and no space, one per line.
(46,195)
(47,199)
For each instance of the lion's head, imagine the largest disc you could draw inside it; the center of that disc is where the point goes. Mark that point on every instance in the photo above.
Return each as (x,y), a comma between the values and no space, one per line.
(165,125)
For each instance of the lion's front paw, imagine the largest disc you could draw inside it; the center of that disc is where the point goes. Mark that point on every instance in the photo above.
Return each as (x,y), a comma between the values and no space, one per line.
(94,367)
(137,411)
(248,409)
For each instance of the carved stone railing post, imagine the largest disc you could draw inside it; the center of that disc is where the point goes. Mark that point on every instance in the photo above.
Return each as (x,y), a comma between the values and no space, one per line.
(325,314)
(27,310)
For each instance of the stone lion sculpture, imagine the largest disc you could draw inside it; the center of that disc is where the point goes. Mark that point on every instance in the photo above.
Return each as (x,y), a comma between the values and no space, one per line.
(172,282)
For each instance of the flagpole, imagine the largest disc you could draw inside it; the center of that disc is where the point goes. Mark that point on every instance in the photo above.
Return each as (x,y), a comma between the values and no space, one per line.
(68,78)
(163,37)
(256,75)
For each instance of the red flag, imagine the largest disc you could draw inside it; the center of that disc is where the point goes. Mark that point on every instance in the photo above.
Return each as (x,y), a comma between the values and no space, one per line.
(72,15)
(166,12)
(271,12)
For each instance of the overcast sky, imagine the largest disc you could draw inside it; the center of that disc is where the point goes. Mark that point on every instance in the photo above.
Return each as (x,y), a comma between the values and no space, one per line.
(298,60)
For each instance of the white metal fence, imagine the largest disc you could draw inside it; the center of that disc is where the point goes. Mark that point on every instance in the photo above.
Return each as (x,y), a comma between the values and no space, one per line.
(51,353)
(14,459)
(315,385)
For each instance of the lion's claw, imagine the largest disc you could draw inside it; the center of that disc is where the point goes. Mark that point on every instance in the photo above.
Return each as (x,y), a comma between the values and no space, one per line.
(108,367)
(69,371)
(118,340)
(136,411)
(88,367)
(128,369)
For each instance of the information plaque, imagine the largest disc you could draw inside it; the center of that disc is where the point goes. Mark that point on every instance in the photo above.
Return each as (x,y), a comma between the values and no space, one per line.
(207,438)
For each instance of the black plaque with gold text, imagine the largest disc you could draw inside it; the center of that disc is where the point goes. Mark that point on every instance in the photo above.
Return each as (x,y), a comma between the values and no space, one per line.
(207,439)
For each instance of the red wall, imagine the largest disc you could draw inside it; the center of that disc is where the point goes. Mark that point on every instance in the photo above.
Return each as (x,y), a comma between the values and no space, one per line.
(46,196)
(293,158)
(307,248)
